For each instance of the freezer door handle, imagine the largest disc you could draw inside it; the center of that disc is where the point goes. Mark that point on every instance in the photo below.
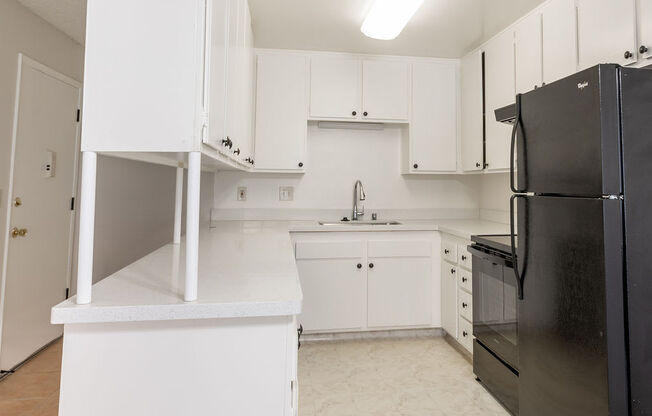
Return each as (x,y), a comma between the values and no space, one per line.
(518,126)
(520,278)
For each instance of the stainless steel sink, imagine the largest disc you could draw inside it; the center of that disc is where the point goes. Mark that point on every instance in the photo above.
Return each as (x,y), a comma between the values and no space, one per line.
(348,223)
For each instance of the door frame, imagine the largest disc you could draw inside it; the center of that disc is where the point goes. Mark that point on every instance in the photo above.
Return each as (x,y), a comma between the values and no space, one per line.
(25,61)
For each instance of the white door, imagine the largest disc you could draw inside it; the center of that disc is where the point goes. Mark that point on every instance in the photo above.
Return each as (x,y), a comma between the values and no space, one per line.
(433,125)
(217,46)
(38,260)
(472,120)
(499,92)
(606,31)
(449,294)
(528,53)
(399,291)
(232,121)
(559,40)
(281,112)
(385,90)
(644,15)
(335,87)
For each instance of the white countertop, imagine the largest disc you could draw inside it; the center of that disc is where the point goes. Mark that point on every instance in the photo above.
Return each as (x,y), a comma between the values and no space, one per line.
(246,269)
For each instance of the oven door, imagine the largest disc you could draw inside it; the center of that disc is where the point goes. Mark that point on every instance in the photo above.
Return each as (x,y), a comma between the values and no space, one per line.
(495,307)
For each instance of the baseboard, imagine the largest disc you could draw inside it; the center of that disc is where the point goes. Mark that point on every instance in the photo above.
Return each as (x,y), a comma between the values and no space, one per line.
(459,348)
(395,333)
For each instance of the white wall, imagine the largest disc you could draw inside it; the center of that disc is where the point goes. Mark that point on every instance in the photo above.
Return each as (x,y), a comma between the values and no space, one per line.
(335,159)
(494,203)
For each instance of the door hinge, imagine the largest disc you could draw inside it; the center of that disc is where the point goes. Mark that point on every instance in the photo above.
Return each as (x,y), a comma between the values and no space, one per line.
(72,203)
(78,115)
(67,292)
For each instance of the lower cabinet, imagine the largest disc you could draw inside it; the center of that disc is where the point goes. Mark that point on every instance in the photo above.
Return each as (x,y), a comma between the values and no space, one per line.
(449,293)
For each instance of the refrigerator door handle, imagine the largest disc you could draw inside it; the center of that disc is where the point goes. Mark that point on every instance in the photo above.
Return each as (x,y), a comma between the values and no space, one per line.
(517,125)
(519,277)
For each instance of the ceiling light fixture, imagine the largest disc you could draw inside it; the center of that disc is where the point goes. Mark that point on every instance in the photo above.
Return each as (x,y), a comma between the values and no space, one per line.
(387,18)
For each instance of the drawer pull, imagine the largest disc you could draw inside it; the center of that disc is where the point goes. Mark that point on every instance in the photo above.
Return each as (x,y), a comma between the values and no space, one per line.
(452,271)
(465,334)
(446,251)
(463,257)
(464,305)
(464,279)
(359,266)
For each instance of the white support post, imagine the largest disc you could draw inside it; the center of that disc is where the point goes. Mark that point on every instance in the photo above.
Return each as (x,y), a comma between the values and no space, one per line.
(178,203)
(86,228)
(192,225)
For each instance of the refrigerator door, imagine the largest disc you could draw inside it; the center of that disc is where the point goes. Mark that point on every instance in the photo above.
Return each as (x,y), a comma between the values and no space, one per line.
(637,156)
(571,321)
(568,140)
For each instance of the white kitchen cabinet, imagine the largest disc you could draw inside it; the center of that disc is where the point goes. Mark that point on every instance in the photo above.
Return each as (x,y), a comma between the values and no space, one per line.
(281,112)
(528,53)
(333,283)
(472,112)
(233,53)
(399,284)
(644,25)
(466,335)
(606,32)
(499,92)
(449,292)
(433,124)
(465,305)
(559,40)
(217,44)
(335,90)
(385,90)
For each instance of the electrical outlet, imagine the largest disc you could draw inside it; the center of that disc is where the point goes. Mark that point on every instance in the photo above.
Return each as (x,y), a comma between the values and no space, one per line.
(242,193)
(286,193)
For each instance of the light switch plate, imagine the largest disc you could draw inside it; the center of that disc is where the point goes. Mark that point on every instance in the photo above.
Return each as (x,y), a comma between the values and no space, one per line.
(286,193)
(242,193)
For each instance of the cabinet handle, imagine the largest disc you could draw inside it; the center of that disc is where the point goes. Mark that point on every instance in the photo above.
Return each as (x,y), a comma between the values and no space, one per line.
(465,334)
(365,114)
(446,251)
(643,49)
(464,279)
(464,305)
(359,266)
(237,151)
(477,165)
(354,113)
(452,271)
(300,164)
(371,265)
(463,257)
(415,166)
(486,165)
(628,54)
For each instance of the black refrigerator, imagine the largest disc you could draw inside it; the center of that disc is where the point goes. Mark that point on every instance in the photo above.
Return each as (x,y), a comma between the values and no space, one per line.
(582,209)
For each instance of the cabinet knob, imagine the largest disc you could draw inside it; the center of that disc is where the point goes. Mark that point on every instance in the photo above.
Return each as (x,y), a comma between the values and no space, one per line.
(463,257)
(371,265)
(237,151)
(643,49)
(477,165)
(446,251)
(465,334)
(354,113)
(628,54)
(486,165)
(359,266)
(464,305)
(453,271)
(464,279)
(365,114)
(300,164)
(415,166)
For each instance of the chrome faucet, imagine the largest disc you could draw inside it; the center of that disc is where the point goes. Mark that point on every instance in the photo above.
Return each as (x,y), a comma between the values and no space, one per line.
(358,196)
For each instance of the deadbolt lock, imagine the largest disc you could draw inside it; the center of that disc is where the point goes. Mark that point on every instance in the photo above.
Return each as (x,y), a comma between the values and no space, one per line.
(18,202)
(18,232)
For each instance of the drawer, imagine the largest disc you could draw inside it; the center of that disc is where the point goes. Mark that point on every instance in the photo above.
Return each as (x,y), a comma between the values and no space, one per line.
(466,281)
(399,249)
(314,250)
(449,251)
(466,335)
(466,305)
(464,257)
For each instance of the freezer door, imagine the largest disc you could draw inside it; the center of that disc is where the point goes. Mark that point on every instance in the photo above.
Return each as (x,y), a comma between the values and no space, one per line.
(568,138)
(637,156)
(571,319)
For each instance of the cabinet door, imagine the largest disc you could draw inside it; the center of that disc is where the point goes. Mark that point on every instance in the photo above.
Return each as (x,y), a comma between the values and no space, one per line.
(559,40)
(399,292)
(528,53)
(499,92)
(472,112)
(385,90)
(232,124)
(606,32)
(217,43)
(281,111)
(246,143)
(449,292)
(433,125)
(644,17)
(334,87)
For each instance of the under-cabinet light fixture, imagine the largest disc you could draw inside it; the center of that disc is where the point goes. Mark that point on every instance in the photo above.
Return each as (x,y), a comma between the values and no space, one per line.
(387,18)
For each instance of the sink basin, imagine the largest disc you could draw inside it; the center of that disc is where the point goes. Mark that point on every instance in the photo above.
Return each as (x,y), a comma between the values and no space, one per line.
(348,223)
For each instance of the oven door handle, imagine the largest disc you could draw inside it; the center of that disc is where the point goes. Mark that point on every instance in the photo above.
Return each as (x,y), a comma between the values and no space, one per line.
(520,278)
(486,256)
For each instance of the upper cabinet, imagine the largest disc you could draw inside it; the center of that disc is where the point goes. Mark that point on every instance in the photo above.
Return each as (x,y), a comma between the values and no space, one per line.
(499,92)
(472,112)
(281,112)
(559,40)
(385,90)
(528,53)
(606,32)
(433,125)
(335,90)
(644,24)
(349,88)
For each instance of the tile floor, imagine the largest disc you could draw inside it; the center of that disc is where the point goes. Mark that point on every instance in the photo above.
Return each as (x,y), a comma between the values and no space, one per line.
(33,390)
(407,377)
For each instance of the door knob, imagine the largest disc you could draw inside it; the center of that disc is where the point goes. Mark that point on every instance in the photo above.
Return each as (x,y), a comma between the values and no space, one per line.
(643,49)
(18,202)
(628,54)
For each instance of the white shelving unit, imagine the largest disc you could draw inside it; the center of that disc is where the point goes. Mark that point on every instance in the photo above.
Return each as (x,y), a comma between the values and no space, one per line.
(148,96)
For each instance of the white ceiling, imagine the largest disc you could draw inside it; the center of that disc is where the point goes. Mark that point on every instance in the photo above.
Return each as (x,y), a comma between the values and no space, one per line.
(441,28)
(69,16)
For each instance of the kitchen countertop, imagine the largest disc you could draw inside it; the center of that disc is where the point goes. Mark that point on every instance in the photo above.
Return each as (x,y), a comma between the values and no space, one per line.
(246,269)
